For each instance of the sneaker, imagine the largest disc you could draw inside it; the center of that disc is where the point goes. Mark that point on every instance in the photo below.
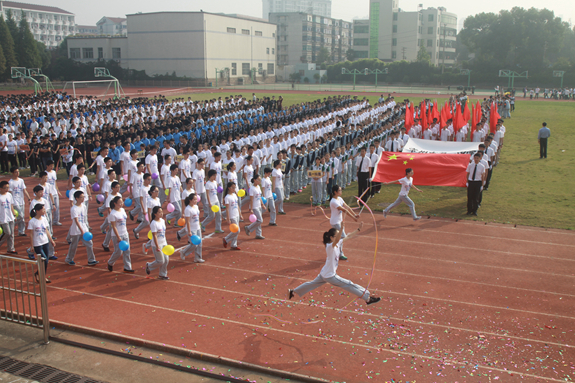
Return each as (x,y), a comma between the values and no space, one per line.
(342,258)
(281,212)
(130,215)
(203,228)
(58,224)
(22,235)
(93,263)
(290,293)
(31,256)
(179,236)
(128,271)
(71,263)
(147,268)
(385,214)
(219,232)
(373,300)
(235,248)
(182,256)
(417,218)
(273,224)
(163,278)
(105,248)
(225,243)
(169,222)
(136,234)
(53,258)
(260,237)
(144,249)
(246,230)
(103,231)
(110,267)
(199,261)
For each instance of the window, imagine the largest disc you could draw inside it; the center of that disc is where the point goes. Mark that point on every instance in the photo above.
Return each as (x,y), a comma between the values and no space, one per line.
(75,53)
(234,69)
(273,51)
(231,30)
(361,54)
(260,68)
(245,31)
(393,54)
(88,53)
(268,51)
(420,29)
(394,16)
(429,43)
(429,17)
(429,30)
(448,19)
(361,42)
(259,33)
(245,69)
(394,42)
(100,53)
(394,29)
(270,69)
(116,53)
(361,29)
(420,42)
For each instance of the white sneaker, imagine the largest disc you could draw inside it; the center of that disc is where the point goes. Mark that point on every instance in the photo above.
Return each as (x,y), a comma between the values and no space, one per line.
(384,214)
(199,261)
(417,218)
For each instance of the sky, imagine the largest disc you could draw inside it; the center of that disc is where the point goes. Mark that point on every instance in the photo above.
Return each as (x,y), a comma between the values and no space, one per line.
(89,12)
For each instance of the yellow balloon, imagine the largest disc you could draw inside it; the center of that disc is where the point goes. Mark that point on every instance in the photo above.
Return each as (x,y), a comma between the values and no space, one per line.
(1,231)
(15,213)
(168,250)
(215,208)
(167,191)
(150,236)
(241,192)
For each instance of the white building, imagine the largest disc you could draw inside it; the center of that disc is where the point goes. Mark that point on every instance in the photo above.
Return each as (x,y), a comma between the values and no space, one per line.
(397,35)
(192,44)
(87,30)
(112,26)
(49,25)
(314,7)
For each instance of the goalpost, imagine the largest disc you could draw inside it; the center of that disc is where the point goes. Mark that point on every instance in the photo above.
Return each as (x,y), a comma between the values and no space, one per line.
(99,72)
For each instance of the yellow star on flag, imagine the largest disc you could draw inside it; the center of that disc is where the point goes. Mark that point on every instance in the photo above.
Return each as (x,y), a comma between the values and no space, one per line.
(392,157)
(411,158)
(405,162)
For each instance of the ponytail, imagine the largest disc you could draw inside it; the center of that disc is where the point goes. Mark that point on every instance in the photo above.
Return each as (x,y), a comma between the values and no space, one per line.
(36,209)
(155,211)
(229,186)
(334,189)
(152,189)
(189,199)
(327,235)
(255,177)
(114,201)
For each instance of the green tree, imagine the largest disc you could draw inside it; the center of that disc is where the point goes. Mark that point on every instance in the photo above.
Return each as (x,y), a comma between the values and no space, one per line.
(316,77)
(26,47)
(2,61)
(350,55)
(45,54)
(7,44)
(323,56)
(295,76)
(423,55)
(12,26)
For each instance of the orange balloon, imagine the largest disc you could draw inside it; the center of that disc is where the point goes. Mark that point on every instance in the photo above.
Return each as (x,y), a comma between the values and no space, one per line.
(234,228)
(182,222)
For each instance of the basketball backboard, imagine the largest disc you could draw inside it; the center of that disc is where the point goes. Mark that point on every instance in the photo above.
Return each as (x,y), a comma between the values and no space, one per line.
(101,72)
(34,71)
(558,73)
(18,72)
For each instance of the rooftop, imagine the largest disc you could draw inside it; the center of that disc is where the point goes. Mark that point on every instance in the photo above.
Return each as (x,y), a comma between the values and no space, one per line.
(33,7)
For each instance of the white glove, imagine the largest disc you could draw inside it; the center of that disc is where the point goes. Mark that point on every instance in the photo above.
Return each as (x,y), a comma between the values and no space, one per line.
(481,189)
(467,184)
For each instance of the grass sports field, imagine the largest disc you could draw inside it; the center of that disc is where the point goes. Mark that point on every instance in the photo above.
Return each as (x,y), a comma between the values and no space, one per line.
(524,189)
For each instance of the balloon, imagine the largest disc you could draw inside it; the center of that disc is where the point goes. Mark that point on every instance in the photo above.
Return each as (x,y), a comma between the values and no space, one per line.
(147,218)
(234,228)
(198,198)
(2,231)
(264,200)
(171,207)
(150,236)
(67,193)
(215,208)
(100,198)
(182,222)
(167,191)
(16,214)
(154,176)
(220,189)
(168,250)
(128,202)
(196,240)
(275,196)
(125,177)
(241,193)
(96,187)
(253,218)
(124,245)
(87,236)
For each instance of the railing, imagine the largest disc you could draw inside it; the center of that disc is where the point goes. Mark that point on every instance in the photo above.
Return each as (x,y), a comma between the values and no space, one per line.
(24,300)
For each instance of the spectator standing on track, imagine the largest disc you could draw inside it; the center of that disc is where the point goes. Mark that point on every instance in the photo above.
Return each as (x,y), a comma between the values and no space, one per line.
(333,241)
(542,137)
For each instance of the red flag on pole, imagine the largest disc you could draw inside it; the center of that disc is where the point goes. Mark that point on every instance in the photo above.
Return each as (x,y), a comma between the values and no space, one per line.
(429,168)
(493,117)
(466,113)
(435,113)
(423,115)
(408,117)
(448,114)
(443,116)
(473,118)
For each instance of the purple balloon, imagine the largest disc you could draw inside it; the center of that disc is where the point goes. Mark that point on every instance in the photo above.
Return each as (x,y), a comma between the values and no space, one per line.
(154,176)
(96,187)
(220,189)
(100,197)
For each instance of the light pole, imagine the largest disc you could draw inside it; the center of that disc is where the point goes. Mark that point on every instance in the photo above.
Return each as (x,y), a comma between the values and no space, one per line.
(354,72)
(376,72)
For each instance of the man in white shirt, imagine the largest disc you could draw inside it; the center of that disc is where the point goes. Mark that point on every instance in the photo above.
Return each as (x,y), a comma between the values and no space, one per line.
(363,162)
(475,180)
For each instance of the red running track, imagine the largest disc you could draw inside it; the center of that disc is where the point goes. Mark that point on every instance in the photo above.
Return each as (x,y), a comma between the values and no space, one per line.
(461,301)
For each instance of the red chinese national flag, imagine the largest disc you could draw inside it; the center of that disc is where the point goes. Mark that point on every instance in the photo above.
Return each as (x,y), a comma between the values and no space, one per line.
(466,113)
(408,117)
(493,117)
(430,169)
(435,113)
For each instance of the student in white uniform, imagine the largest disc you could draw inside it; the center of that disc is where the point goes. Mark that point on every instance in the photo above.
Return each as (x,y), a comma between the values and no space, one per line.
(18,189)
(158,229)
(174,196)
(118,222)
(152,201)
(268,195)
(234,215)
(40,200)
(52,178)
(338,206)
(333,241)
(256,207)
(278,186)
(137,192)
(40,236)
(406,184)
(199,176)
(7,217)
(165,173)
(105,227)
(192,215)
(79,226)
(212,200)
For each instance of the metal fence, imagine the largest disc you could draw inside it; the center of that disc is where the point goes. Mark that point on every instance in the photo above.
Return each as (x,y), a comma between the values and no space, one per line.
(23,297)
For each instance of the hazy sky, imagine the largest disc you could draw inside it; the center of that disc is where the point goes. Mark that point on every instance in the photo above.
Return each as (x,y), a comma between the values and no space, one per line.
(89,12)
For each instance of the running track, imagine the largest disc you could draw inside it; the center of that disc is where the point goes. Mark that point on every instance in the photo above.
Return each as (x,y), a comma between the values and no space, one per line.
(461,301)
